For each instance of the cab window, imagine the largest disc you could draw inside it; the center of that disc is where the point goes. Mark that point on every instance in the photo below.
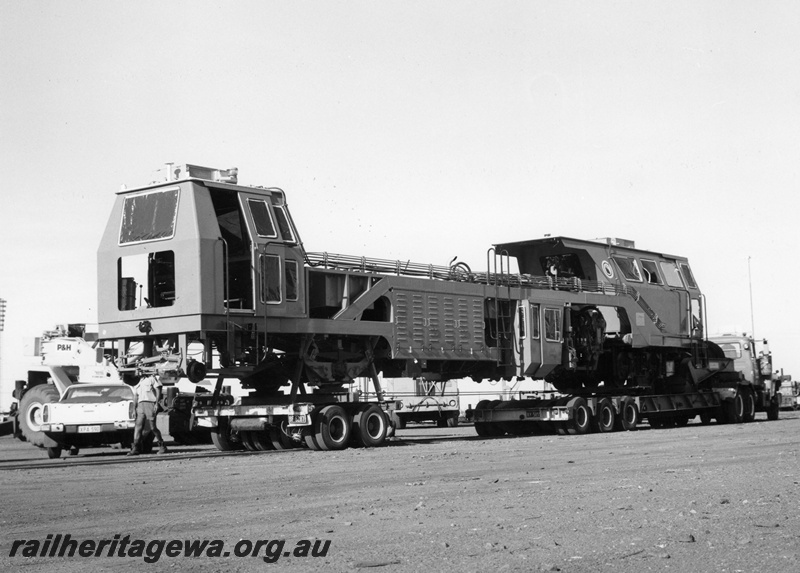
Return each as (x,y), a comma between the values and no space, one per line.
(688,276)
(261,217)
(650,271)
(552,324)
(671,274)
(629,267)
(149,216)
(284,225)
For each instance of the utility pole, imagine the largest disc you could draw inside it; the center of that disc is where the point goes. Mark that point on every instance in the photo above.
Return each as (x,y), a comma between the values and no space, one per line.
(752,320)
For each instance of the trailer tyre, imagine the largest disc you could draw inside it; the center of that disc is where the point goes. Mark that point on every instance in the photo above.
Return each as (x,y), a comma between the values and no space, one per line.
(280,438)
(369,427)
(54,453)
(221,438)
(774,408)
(482,428)
(629,416)
(606,416)
(749,400)
(581,421)
(332,428)
(30,412)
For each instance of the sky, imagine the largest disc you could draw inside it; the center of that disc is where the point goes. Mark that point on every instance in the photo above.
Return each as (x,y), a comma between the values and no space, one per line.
(411,130)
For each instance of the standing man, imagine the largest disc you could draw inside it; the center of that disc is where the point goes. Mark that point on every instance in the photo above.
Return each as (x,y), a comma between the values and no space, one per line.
(146,396)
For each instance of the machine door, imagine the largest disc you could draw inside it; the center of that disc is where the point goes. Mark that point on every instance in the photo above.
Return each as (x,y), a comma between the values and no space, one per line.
(552,339)
(237,251)
(277,259)
(529,330)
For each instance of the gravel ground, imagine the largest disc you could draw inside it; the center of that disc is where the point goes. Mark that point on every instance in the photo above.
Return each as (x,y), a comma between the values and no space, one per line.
(721,498)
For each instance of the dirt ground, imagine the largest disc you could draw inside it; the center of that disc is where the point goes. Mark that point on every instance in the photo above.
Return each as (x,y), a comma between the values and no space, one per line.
(721,498)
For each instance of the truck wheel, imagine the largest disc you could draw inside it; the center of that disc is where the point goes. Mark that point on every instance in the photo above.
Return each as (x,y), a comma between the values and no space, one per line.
(54,453)
(606,416)
(332,428)
(261,441)
(749,399)
(30,412)
(369,427)
(733,410)
(774,408)
(629,416)
(581,421)
(482,428)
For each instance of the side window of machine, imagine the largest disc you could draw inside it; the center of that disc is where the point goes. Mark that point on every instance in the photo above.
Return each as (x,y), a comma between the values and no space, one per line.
(270,279)
(650,270)
(552,324)
(629,268)
(149,216)
(290,268)
(523,331)
(284,225)
(688,276)
(535,321)
(671,274)
(261,217)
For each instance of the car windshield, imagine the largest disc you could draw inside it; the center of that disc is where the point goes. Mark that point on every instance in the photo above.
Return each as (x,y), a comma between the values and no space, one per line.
(97,394)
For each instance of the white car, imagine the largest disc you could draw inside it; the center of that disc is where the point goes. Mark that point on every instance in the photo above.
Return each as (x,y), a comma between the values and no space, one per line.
(90,415)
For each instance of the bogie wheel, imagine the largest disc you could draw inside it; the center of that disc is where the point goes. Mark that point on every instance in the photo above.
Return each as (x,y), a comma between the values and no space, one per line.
(629,416)
(682,420)
(605,417)
(54,453)
(369,427)
(30,412)
(581,421)
(749,404)
(280,437)
(332,428)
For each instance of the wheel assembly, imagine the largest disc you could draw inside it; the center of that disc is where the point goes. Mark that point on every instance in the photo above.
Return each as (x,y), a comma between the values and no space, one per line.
(605,417)
(369,427)
(581,420)
(331,429)
(30,412)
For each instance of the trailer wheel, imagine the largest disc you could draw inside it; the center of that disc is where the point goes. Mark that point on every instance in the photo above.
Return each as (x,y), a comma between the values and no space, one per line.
(581,421)
(247,440)
(30,412)
(629,416)
(482,428)
(749,399)
(332,428)
(606,416)
(54,453)
(705,417)
(261,440)
(369,427)
(221,438)
(280,438)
